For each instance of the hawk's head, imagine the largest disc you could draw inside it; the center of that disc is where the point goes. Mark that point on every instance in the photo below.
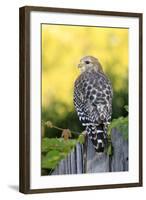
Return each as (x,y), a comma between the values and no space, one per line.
(89,63)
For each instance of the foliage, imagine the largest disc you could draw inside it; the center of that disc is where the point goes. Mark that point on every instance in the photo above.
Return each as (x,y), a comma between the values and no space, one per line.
(109,149)
(59,144)
(121,124)
(56,149)
(81,139)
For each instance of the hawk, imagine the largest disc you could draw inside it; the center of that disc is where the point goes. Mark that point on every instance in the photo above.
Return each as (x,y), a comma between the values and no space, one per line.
(93,101)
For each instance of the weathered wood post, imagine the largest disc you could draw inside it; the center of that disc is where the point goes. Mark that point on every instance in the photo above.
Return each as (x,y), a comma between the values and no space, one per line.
(119,160)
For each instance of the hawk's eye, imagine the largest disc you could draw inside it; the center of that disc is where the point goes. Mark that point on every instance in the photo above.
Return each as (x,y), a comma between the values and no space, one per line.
(87,62)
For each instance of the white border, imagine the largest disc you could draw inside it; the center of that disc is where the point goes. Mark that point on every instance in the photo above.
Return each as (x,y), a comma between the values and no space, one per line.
(132,176)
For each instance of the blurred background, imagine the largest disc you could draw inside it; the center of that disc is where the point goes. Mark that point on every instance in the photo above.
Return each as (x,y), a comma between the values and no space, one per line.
(62,49)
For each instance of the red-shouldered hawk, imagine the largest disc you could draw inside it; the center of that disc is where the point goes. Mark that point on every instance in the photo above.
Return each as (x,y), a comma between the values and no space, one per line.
(93,101)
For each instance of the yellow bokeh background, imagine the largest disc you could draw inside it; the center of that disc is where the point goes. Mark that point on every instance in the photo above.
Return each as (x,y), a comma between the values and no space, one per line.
(62,48)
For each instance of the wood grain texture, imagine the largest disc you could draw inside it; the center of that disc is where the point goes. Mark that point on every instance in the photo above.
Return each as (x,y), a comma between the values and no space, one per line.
(24,100)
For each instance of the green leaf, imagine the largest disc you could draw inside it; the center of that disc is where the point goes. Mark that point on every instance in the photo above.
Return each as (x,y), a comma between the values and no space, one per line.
(59,144)
(121,124)
(126,108)
(81,139)
(50,160)
(54,150)
(109,149)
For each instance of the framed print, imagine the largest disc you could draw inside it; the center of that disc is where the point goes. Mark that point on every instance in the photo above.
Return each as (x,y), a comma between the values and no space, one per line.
(80,99)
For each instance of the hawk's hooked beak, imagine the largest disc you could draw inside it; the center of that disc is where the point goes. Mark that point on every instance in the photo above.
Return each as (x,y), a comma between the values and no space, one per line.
(80,65)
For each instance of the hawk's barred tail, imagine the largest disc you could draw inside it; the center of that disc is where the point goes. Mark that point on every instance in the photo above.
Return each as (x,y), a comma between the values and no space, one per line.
(98,137)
